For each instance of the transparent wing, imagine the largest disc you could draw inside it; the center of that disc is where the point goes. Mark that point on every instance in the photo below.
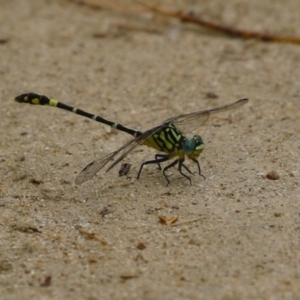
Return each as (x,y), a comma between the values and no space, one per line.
(194,120)
(137,141)
(94,167)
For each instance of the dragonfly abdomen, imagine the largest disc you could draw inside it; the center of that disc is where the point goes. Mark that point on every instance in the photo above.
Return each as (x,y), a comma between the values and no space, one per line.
(36,99)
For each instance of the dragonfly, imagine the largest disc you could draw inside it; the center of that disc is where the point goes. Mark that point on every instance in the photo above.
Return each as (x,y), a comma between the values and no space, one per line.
(168,138)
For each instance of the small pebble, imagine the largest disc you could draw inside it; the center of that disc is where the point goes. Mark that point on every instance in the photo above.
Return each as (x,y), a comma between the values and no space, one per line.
(273,175)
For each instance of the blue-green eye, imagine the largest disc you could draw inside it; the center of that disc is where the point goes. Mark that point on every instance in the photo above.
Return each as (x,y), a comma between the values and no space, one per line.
(190,145)
(198,141)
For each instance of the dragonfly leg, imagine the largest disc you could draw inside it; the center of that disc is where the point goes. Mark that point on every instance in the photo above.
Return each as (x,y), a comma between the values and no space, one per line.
(186,168)
(172,164)
(180,165)
(158,159)
(199,168)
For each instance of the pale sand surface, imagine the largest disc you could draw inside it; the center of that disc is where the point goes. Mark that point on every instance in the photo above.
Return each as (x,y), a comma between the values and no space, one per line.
(245,243)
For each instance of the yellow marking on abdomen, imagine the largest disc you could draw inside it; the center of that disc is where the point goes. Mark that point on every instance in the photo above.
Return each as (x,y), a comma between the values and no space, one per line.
(52,102)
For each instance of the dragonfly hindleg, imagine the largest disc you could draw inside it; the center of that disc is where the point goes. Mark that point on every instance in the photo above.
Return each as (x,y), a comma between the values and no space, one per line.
(158,159)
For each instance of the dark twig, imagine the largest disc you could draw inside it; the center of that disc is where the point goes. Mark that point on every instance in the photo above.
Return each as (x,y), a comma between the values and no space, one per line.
(190,18)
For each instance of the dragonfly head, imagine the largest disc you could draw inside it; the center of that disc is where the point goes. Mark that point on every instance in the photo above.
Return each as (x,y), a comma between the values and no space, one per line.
(193,147)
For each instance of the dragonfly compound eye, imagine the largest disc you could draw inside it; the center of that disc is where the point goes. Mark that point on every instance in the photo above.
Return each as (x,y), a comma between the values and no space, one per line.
(198,147)
(198,141)
(188,146)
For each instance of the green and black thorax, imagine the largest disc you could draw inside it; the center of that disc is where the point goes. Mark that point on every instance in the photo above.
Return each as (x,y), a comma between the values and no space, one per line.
(170,140)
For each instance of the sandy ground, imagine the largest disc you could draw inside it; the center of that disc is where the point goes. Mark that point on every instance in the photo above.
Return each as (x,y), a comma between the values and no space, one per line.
(237,234)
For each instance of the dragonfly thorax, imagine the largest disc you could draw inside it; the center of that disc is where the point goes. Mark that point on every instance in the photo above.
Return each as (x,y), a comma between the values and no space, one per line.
(193,146)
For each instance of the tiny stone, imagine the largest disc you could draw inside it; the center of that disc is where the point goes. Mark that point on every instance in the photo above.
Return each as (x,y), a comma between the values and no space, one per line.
(273,175)
(211,95)
(141,246)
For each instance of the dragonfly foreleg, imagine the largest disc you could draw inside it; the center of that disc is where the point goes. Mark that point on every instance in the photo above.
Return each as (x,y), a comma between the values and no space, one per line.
(199,168)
